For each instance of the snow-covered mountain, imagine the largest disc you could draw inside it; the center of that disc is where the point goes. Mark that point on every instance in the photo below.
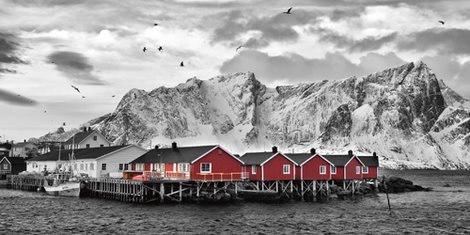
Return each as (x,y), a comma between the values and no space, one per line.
(405,114)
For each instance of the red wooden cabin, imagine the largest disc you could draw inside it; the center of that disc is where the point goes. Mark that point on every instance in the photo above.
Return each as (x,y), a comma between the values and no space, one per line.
(311,166)
(205,163)
(269,166)
(348,167)
(370,170)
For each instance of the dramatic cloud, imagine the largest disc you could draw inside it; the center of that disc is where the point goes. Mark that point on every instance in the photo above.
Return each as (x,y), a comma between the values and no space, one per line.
(8,52)
(278,27)
(75,66)
(447,41)
(15,99)
(296,68)
(366,44)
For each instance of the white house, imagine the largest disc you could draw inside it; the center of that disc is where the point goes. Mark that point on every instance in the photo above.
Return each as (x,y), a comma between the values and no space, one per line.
(23,149)
(93,162)
(86,139)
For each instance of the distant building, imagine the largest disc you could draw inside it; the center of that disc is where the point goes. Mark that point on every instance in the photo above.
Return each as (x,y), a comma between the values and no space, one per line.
(11,166)
(5,149)
(24,149)
(92,162)
(86,139)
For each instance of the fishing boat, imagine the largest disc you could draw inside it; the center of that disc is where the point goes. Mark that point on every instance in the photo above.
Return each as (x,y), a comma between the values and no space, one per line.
(63,183)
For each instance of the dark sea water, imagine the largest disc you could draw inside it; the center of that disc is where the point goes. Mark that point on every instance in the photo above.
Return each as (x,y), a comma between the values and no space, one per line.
(443,211)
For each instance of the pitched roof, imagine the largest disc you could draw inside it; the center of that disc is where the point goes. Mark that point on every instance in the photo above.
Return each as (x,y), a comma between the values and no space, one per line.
(84,153)
(78,137)
(299,158)
(338,160)
(170,155)
(370,160)
(256,158)
(14,160)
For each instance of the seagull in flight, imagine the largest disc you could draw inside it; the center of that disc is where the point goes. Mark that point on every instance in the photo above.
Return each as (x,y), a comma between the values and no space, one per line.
(145,48)
(239,47)
(83,97)
(441,22)
(155,24)
(288,11)
(160,48)
(74,87)
(113,96)
(181,64)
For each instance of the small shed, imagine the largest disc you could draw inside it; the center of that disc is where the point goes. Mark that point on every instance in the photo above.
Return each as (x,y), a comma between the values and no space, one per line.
(269,166)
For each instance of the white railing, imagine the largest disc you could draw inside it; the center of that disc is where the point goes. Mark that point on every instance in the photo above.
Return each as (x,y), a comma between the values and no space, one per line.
(232,176)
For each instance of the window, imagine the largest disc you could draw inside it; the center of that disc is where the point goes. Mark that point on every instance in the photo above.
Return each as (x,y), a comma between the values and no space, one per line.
(103,166)
(358,170)
(126,167)
(95,138)
(365,169)
(322,170)
(75,167)
(286,169)
(81,166)
(333,169)
(253,169)
(206,167)
(121,166)
(156,167)
(5,166)
(92,166)
(87,146)
(182,167)
(139,166)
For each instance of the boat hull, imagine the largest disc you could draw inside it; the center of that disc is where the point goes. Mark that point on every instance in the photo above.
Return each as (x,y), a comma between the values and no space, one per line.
(69,189)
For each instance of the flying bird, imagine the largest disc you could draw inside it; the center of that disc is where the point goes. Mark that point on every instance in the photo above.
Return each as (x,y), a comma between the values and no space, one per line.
(113,96)
(74,87)
(441,22)
(155,24)
(239,47)
(145,48)
(181,64)
(45,111)
(288,11)
(83,97)
(63,124)
(160,48)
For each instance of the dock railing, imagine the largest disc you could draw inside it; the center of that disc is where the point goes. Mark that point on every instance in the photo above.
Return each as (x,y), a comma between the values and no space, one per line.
(232,176)
(168,175)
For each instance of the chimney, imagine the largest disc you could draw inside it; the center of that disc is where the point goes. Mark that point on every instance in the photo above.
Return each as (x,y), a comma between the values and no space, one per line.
(156,147)
(350,153)
(274,149)
(312,151)
(374,154)
(24,141)
(84,129)
(89,128)
(174,146)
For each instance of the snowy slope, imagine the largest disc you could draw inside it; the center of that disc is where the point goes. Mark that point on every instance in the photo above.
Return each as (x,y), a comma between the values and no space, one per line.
(405,114)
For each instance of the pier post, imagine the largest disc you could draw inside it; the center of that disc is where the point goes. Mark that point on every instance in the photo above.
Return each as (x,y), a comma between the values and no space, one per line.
(302,190)
(181,192)
(162,192)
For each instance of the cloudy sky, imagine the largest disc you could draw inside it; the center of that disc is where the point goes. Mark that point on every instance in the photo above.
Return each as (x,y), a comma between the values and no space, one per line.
(48,45)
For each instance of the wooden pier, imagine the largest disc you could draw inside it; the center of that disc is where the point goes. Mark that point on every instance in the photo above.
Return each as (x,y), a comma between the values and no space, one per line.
(25,182)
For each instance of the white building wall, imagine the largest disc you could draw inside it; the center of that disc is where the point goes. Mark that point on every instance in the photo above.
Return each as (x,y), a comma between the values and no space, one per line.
(38,166)
(94,143)
(121,157)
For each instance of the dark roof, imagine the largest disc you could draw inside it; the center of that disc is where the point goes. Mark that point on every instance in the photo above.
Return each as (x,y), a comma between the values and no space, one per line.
(15,160)
(170,155)
(256,158)
(299,158)
(84,153)
(370,160)
(338,160)
(79,137)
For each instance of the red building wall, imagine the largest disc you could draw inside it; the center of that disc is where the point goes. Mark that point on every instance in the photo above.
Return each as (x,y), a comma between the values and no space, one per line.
(339,173)
(372,173)
(223,166)
(311,169)
(273,169)
(351,169)
(252,176)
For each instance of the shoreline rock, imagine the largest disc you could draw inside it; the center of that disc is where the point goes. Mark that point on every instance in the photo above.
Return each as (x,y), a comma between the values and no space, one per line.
(400,185)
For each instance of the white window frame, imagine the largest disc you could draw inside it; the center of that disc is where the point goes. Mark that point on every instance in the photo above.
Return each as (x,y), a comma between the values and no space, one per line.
(322,170)
(183,167)
(5,166)
(358,170)
(365,169)
(333,170)
(253,169)
(204,163)
(92,167)
(103,165)
(284,167)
